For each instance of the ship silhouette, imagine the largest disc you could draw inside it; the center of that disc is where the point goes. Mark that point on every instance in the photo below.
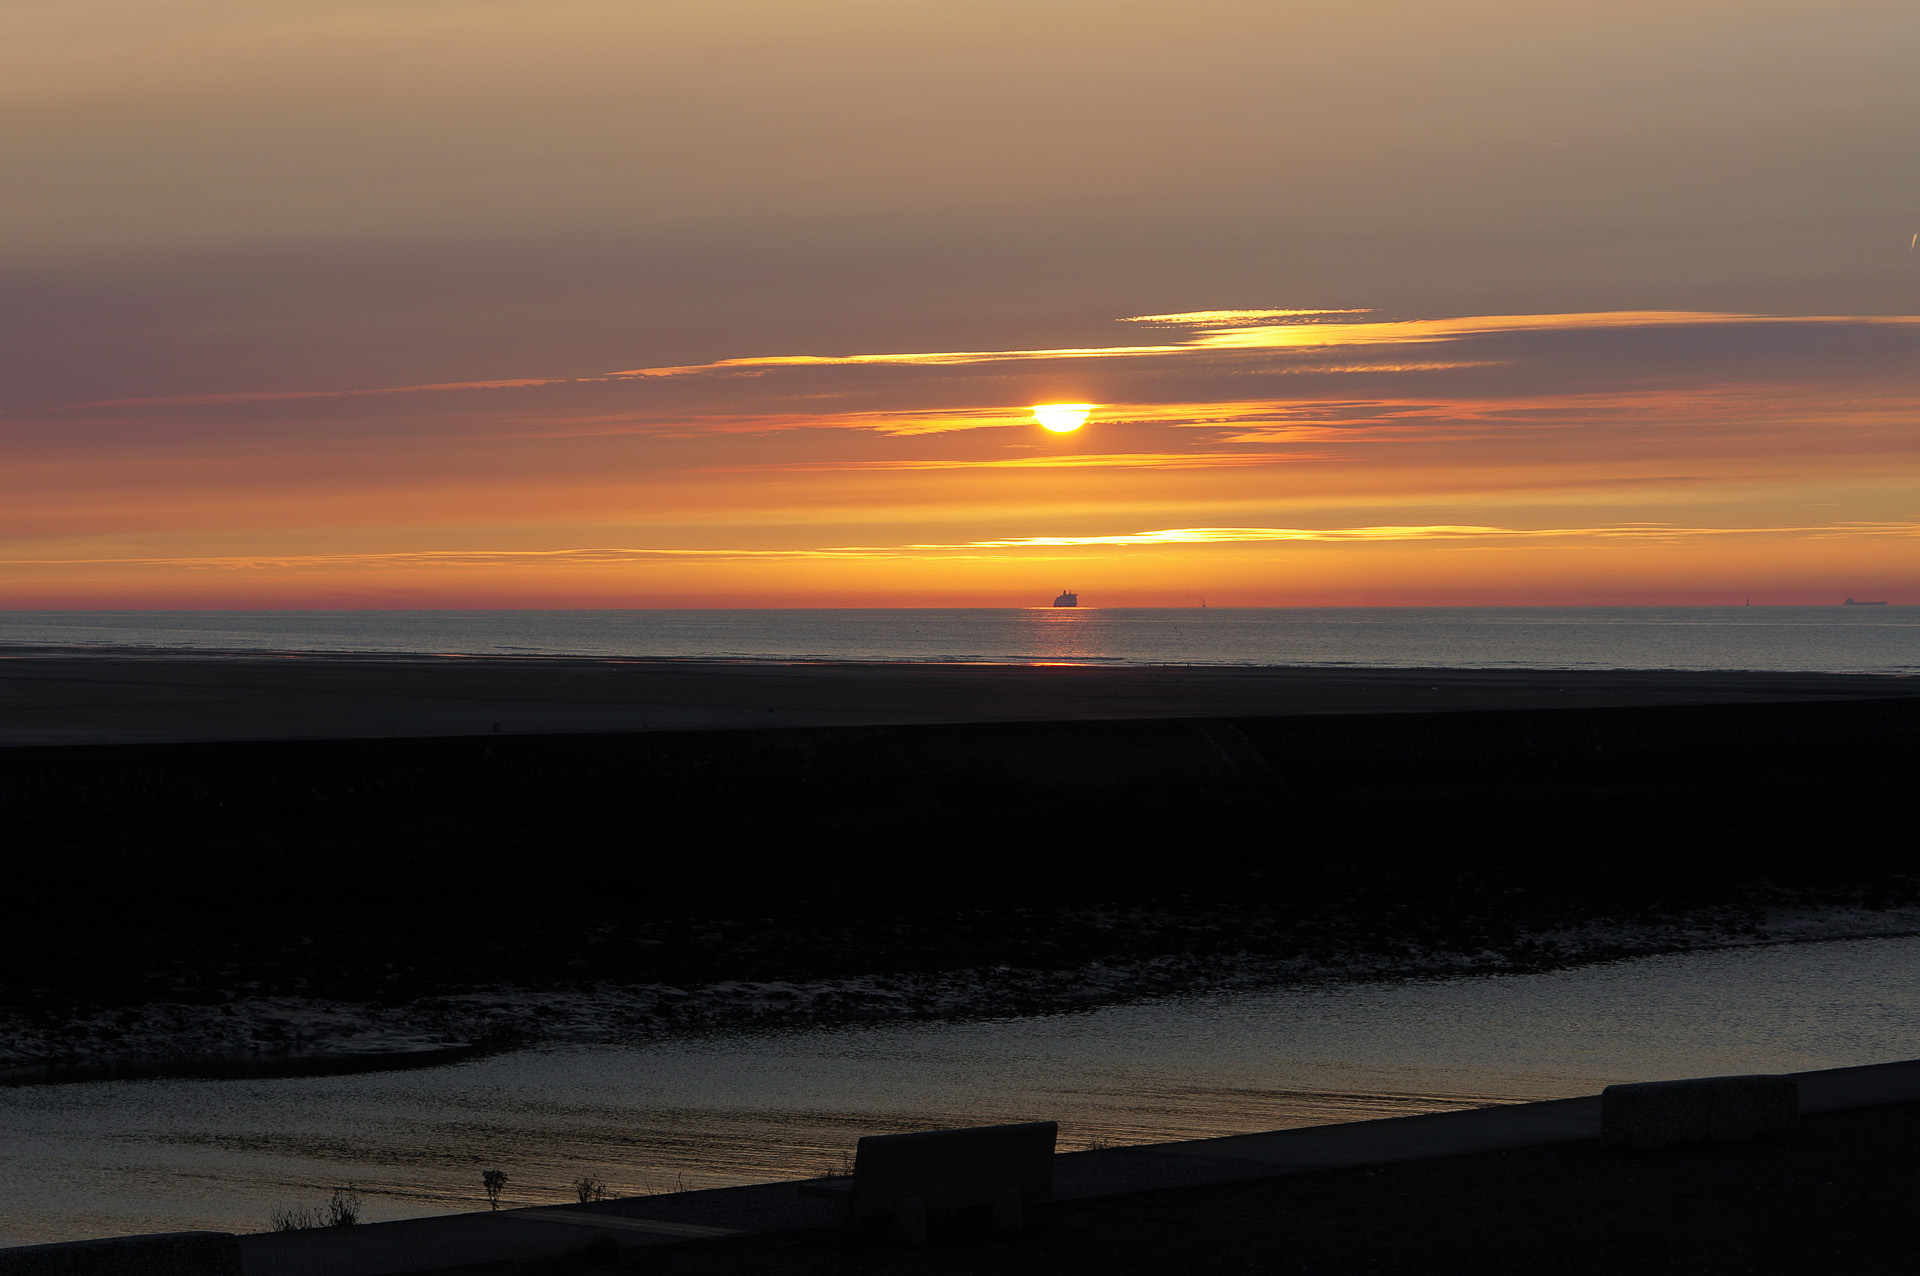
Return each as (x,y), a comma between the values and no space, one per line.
(1067,598)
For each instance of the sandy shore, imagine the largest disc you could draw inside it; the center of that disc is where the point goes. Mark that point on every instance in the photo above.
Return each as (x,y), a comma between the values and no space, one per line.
(94,697)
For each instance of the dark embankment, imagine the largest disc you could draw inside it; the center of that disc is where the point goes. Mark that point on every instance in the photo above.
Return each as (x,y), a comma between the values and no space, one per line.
(391,869)
(1837,1198)
(91,697)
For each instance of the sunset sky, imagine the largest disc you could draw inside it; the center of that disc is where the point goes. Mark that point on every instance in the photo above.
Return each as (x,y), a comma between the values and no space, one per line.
(739,303)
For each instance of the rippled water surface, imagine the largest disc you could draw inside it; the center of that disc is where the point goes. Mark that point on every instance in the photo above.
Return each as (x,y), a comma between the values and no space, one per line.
(1830,639)
(101,1158)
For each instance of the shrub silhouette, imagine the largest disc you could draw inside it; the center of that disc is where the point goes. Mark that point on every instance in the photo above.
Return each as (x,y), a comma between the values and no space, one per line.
(341,1210)
(295,1219)
(343,1207)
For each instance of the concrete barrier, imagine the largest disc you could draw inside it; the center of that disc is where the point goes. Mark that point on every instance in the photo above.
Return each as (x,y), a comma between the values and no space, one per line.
(918,1176)
(161,1254)
(1654,1114)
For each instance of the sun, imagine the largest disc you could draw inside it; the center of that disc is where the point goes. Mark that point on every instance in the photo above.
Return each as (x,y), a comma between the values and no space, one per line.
(1062,418)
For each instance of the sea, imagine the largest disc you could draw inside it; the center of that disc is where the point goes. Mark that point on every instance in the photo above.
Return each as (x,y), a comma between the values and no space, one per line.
(113,1157)
(1832,639)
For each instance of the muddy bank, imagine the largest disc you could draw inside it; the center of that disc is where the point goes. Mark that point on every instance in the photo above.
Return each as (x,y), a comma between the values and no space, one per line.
(293,1036)
(241,1062)
(271,900)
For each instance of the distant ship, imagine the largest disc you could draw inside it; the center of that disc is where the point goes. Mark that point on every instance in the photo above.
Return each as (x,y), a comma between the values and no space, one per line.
(1851,602)
(1068,598)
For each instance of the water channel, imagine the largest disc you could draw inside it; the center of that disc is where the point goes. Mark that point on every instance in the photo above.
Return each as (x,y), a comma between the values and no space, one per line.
(128,1156)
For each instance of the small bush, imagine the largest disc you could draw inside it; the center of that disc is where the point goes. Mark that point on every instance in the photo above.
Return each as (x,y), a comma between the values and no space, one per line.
(343,1207)
(589,1189)
(495,1182)
(341,1210)
(295,1219)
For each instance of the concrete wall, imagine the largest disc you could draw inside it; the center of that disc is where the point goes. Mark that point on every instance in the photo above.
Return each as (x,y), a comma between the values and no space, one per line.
(1654,1114)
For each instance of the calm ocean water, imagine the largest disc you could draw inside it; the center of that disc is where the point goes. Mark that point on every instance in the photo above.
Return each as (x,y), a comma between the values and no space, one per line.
(1824,639)
(99,1158)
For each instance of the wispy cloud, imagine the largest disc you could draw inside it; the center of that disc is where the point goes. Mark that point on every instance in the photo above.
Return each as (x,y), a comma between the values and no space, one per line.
(485,558)
(1077,461)
(1221,333)
(1225,336)
(1235,318)
(997,547)
(278,396)
(1425,532)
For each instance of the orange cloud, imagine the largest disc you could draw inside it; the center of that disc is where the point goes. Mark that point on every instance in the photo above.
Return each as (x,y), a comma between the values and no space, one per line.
(1217,336)
(1083,461)
(1002,547)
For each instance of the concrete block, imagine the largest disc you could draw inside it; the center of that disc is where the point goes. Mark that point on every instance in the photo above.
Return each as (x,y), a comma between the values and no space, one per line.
(161,1254)
(1654,1114)
(910,1220)
(952,1170)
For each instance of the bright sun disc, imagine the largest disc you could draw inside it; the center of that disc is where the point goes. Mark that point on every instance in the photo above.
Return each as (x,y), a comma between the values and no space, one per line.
(1062,417)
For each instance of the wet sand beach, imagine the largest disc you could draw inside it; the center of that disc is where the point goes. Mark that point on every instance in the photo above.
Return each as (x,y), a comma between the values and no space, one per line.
(50,696)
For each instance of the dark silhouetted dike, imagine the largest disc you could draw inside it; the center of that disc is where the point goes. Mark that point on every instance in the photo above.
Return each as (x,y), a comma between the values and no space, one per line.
(389,869)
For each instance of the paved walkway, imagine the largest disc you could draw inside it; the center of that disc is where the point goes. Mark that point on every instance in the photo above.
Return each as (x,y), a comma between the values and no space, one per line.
(424,1244)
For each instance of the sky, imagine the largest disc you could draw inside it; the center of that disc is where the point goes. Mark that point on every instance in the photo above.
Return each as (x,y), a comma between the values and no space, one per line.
(494,303)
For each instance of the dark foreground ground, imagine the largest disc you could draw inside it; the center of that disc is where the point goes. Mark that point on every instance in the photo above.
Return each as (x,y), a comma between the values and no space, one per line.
(385,870)
(1839,1197)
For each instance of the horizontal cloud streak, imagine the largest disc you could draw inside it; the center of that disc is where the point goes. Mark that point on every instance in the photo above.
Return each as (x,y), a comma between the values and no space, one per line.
(277,396)
(1077,461)
(1235,318)
(1426,532)
(1161,538)
(1275,337)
